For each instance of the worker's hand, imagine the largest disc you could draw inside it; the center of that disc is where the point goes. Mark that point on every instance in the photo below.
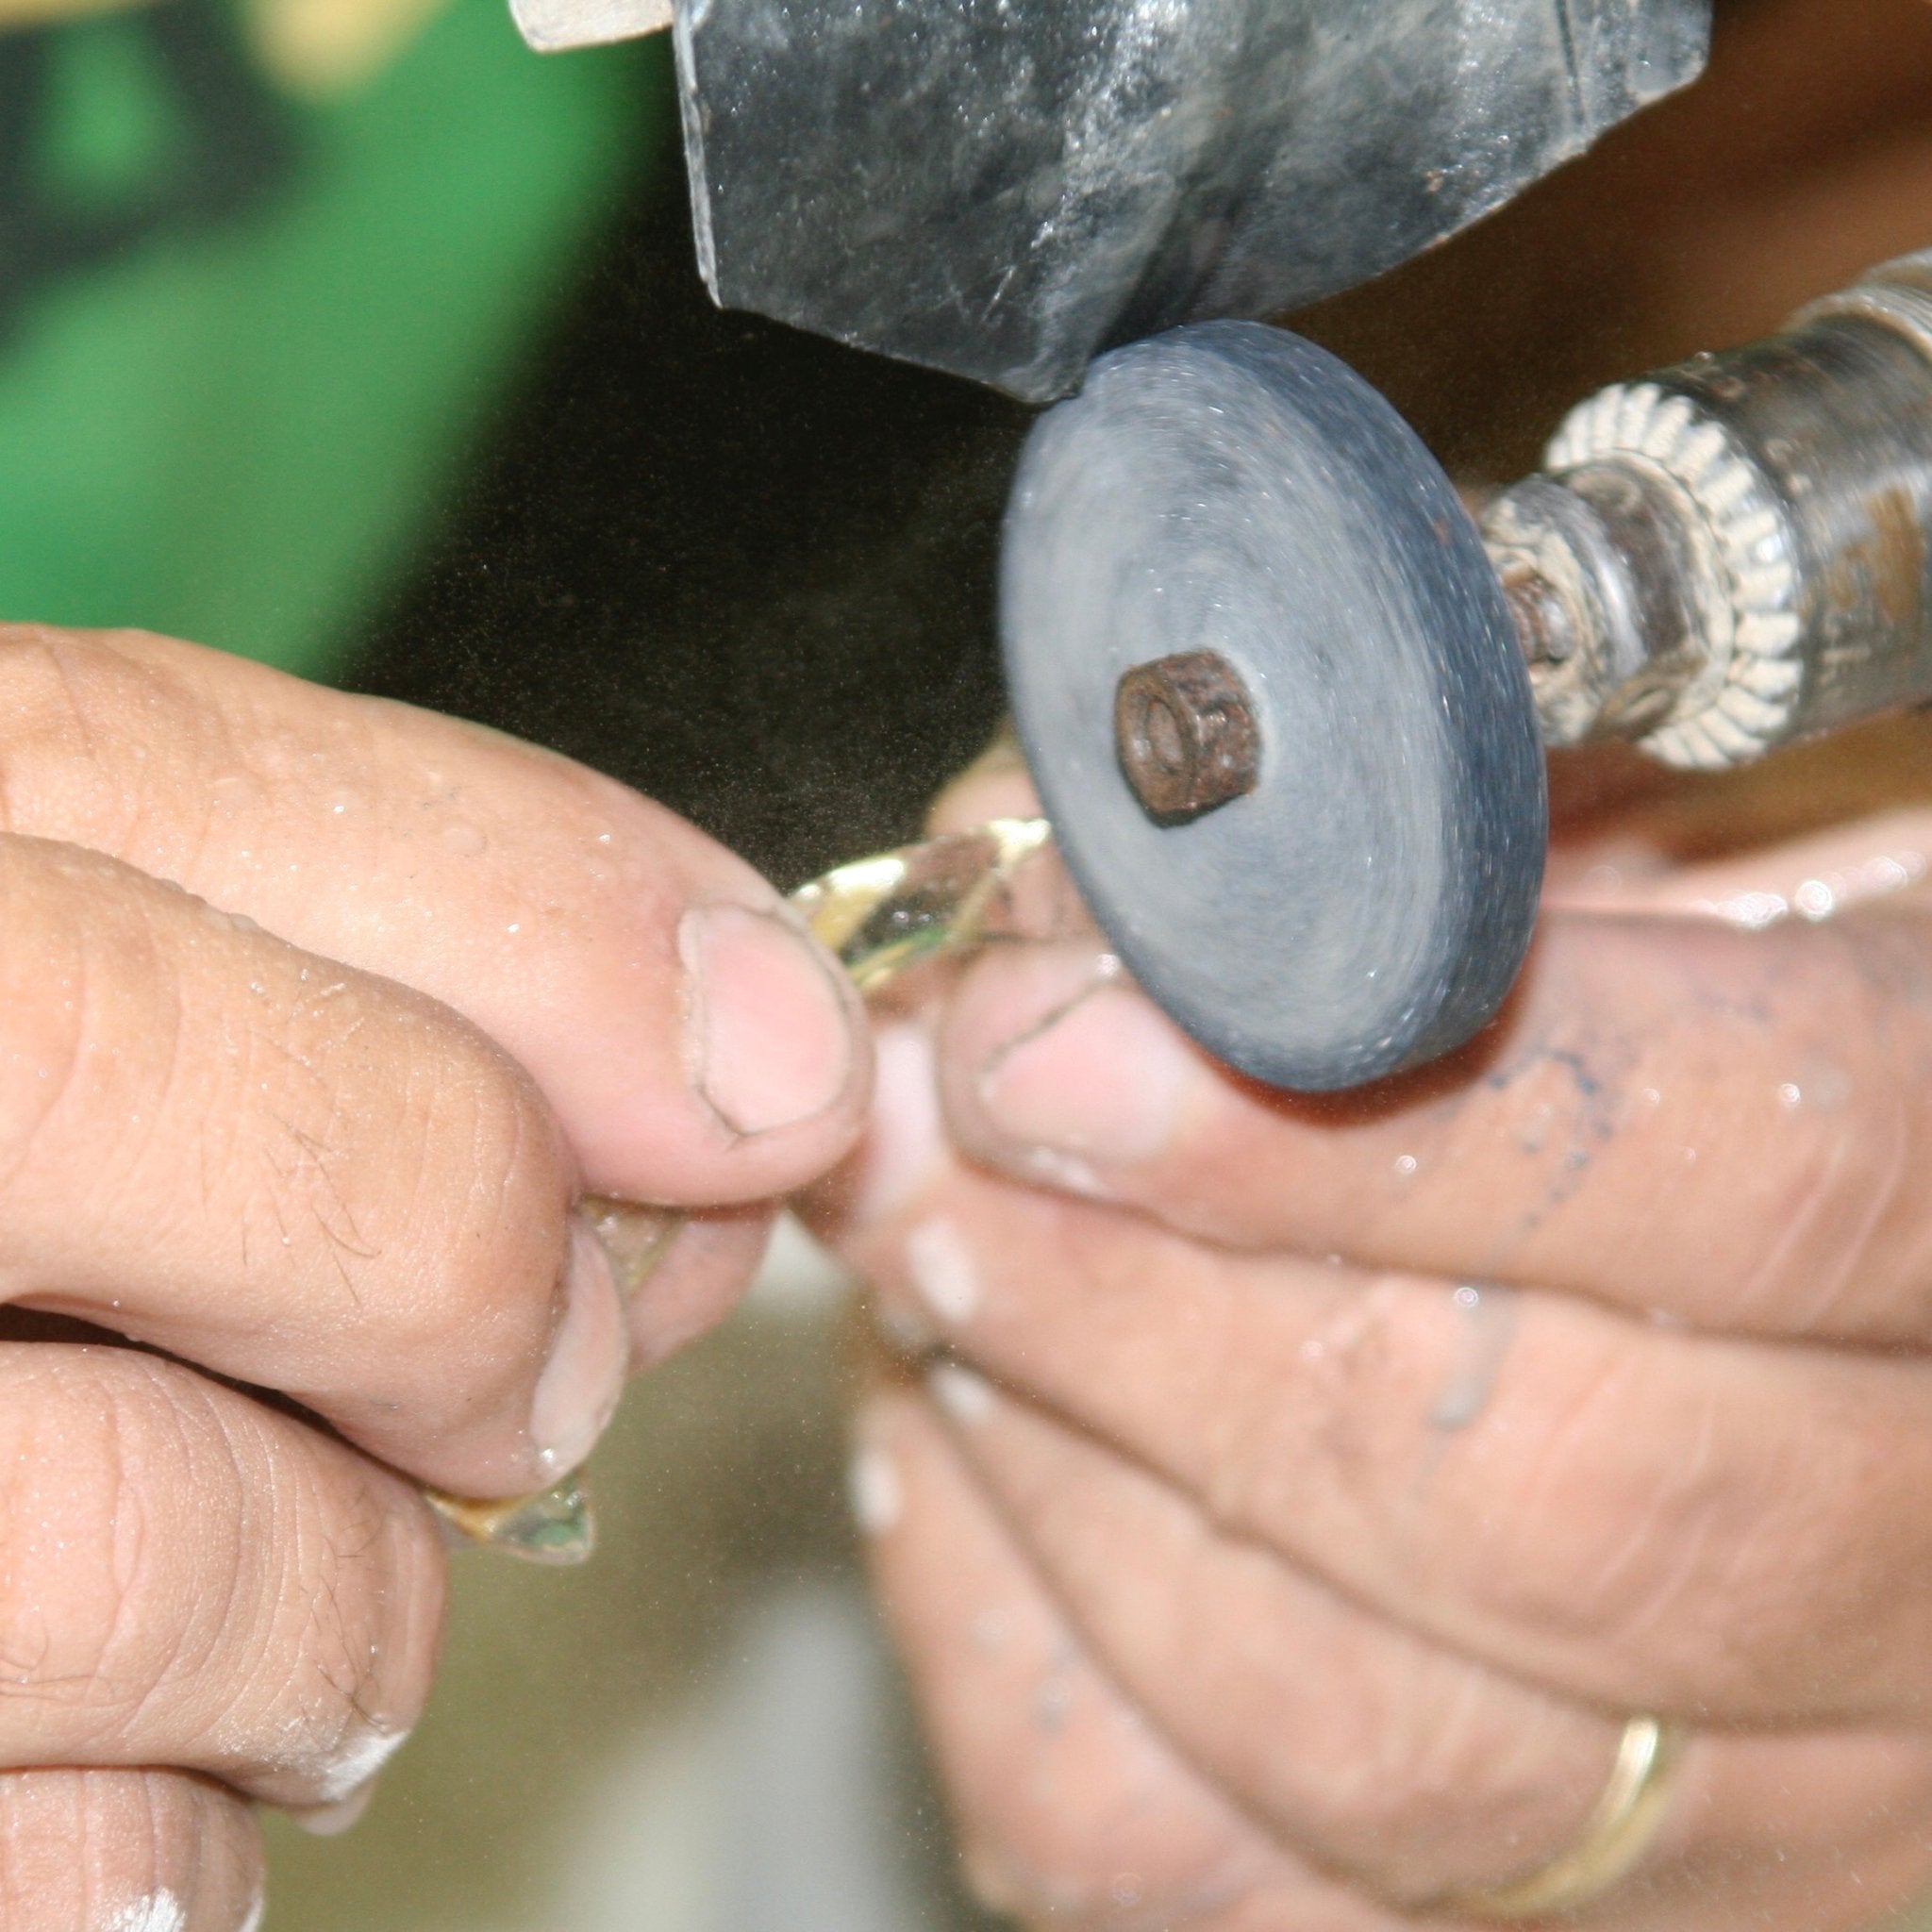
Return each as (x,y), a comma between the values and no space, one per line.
(318,1016)
(1299,1496)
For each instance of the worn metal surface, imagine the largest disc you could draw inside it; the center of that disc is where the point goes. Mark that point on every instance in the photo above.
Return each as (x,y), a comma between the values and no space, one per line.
(1231,488)
(1003,187)
(1737,551)
(1184,732)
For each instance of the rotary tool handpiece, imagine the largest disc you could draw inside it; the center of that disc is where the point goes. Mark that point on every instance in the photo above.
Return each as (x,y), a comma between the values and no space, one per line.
(1732,552)
(1285,703)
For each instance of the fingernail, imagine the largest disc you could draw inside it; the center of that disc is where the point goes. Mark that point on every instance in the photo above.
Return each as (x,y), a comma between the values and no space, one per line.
(332,1821)
(635,1238)
(874,1490)
(903,1143)
(1097,1078)
(943,1270)
(771,1018)
(358,1762)
(701,1274)
(576,1394)
(966,1396)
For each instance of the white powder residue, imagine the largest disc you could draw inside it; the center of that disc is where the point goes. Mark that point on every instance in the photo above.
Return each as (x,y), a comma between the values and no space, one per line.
(358,1760)
(160,1912)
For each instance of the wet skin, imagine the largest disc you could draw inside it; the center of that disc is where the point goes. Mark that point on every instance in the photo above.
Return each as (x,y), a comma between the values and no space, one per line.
(319,1017)
(1281,1502)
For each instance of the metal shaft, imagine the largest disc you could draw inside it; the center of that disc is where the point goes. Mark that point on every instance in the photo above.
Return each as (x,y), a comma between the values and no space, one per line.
(1733,553)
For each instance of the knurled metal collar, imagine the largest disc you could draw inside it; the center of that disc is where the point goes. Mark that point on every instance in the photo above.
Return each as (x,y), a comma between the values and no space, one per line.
(1744,559)
(1896,294)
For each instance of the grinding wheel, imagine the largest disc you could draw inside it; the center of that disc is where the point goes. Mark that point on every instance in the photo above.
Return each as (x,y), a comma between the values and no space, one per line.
(1230,488)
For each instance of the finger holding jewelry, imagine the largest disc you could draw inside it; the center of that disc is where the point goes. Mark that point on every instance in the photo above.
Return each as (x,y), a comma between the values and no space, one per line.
(697,1045)
(1763,1094)
(294,1173)
(1762,1091)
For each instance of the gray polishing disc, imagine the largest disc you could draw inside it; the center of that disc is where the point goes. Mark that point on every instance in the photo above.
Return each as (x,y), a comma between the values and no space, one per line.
(1365,906)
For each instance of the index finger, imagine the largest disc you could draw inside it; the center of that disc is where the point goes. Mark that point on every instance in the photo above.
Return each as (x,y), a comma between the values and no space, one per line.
(1725,1126)
(699,1047)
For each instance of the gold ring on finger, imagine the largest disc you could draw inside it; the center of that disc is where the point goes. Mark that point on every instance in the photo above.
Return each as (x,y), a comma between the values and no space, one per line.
(1616,1835)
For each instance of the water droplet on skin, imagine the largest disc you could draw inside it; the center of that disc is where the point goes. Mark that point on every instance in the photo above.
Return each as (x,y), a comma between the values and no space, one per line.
(342,802)
(515,925)
(1753,911)
(465,839)
(1789,1094)
(1486,1315)
(1651,1096)
(1815,899)
(1405,1165)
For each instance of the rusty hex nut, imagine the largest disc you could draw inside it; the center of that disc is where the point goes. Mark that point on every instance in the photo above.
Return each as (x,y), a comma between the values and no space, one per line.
(1185,735)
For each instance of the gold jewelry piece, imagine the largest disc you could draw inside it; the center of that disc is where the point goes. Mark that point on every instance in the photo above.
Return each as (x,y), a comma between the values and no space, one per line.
(922,901)
(879,915)
(1616,1835)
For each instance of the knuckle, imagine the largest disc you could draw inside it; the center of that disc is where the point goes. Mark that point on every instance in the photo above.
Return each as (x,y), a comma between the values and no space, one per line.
(42,1023)
(1595,1535)
(1280,1415)
(488,1199)
(340,1601)
(1420,1793)
(413,1161)
(1832,1191)
(83,709)
(192,1579)
(123,1849)
(95,1620)
(1097,1827)
(92,1024)
(1670,1562)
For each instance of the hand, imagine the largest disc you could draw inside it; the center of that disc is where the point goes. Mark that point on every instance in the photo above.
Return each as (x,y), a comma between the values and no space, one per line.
(1302,1493)
(317,1015)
